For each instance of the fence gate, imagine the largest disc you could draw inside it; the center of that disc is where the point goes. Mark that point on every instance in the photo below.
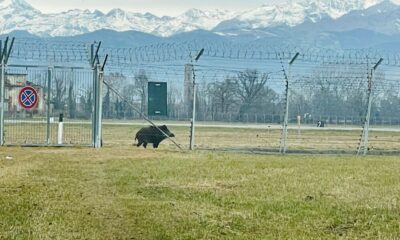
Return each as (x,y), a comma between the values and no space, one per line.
(48,106)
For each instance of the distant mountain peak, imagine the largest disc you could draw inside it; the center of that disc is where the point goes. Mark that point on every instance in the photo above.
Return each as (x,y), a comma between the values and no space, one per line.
(294,12)
(14,4)
(20,15)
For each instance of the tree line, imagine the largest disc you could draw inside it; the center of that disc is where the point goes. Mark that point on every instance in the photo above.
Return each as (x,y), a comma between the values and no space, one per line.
(325,92)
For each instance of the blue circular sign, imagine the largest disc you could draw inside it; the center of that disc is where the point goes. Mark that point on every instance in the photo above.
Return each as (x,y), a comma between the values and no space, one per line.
(28,97)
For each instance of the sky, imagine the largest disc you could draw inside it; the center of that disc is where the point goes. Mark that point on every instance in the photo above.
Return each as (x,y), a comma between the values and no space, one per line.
(158,7)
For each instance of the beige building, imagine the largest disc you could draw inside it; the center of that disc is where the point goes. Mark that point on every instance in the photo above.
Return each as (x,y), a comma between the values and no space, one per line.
(13,84)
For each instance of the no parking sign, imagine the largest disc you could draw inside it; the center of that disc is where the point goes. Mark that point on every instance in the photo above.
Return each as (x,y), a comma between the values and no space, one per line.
(28,97)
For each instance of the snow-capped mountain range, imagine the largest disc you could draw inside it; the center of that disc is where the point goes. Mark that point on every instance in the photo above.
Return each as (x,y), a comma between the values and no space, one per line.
(18,15)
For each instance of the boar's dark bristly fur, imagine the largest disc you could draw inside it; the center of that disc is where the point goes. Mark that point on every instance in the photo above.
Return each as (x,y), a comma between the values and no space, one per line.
(152,135)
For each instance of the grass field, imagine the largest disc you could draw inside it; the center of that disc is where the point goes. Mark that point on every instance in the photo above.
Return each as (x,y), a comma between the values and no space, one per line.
(121,192)
(266,140)
(239,137)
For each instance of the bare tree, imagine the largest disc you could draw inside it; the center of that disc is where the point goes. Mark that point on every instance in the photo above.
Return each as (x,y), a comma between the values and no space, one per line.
(141,81)
(224,95)
(71,100)
(60,90)
(250,84)
(268,102)
(128,94)
(336,91)
(89,102)
(116,81)
(107,108)
(174,99)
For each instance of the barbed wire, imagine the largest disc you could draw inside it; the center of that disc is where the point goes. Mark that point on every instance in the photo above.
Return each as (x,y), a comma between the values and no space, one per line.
(50,50)
(219,60)
(184,51)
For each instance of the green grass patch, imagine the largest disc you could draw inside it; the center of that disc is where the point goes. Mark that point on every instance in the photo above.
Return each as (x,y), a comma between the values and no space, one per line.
(129,193)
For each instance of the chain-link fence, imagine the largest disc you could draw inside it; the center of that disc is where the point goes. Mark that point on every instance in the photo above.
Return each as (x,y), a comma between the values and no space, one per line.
(48,93)
(241,97)
(60,92)
(248,97)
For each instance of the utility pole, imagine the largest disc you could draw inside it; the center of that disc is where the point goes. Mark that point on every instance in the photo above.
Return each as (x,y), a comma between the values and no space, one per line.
(363,147)
(192,132)
(288,77)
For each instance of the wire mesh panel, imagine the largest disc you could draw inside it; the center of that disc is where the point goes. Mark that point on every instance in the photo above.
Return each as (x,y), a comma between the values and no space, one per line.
(72,99)
(239,107)
(332,88)
(26,122)
(243,92)
(59,95)
(125,105)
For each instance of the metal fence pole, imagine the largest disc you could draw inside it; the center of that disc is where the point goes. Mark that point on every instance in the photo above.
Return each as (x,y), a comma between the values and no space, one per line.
(283,146)
(94,107)
(368,117)
(192,132)
(2,92)
(97,95)
(49,80)
(365,135)
(5,54)
(99,117)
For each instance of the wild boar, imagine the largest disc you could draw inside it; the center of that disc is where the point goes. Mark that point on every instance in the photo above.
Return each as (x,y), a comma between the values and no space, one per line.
(152,135)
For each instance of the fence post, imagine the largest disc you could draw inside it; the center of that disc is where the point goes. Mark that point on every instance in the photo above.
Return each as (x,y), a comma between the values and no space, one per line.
(283,146)
(192,132)
(365,135)
(99,112)
(97,96)
(95,108)
(2,92)
(92,62)
(5,54)
(49,80)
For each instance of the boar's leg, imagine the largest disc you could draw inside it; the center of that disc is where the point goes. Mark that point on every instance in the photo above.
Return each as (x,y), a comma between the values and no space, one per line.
(145,144)
(155,144)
